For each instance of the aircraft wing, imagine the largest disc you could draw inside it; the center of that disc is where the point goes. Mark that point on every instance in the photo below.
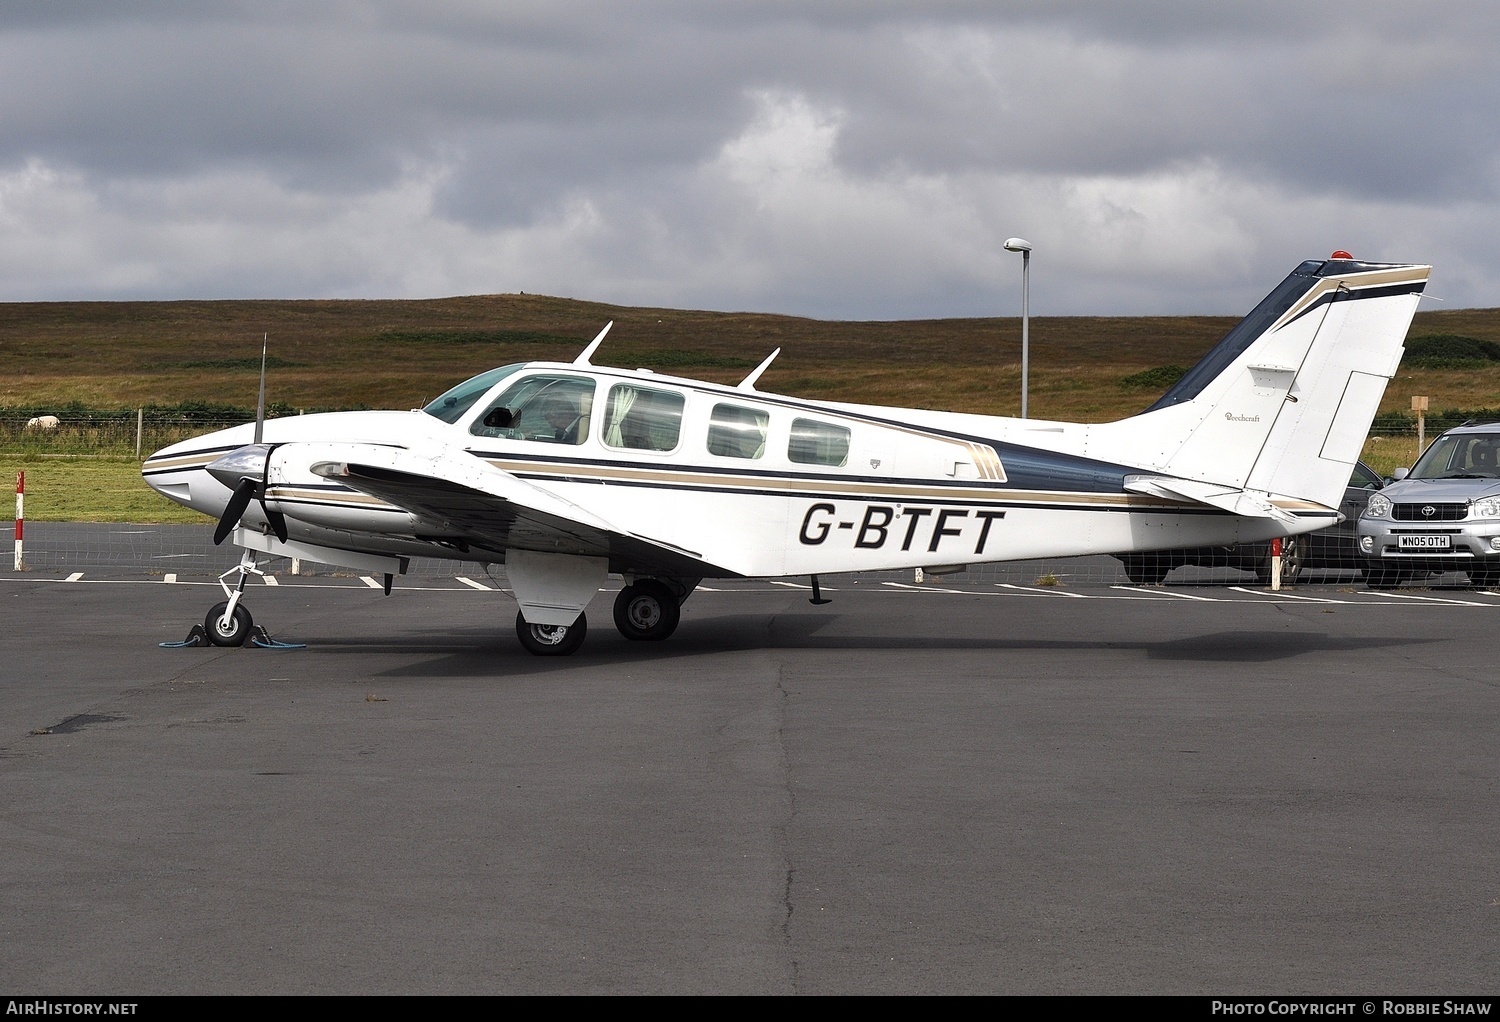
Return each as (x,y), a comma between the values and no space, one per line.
(1248,503)
(453,492)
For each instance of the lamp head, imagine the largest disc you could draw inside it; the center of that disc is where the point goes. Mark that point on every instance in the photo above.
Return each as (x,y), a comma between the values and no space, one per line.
(1017,245)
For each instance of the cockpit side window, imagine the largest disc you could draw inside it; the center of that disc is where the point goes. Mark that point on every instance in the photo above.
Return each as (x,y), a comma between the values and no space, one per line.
(547,408)
(735,431)
(818,443)
(642,419)
(451,405)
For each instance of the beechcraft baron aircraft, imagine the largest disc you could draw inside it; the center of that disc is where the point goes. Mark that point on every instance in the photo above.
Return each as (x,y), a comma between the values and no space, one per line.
(568,471)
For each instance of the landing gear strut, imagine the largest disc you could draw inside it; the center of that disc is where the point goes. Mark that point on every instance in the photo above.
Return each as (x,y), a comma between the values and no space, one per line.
(229,623)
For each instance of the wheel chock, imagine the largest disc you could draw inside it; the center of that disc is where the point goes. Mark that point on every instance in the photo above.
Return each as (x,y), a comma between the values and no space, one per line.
(262,638)
(196,637)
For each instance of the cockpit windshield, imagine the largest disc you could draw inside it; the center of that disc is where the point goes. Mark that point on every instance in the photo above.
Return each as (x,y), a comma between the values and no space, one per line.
(450,407)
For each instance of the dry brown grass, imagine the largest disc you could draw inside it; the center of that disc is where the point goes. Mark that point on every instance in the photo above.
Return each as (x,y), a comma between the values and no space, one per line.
(371,353)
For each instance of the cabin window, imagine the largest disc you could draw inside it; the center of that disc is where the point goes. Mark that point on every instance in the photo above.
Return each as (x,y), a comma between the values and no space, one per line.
(642,419)
(818,443)
(551,409)
(735,431)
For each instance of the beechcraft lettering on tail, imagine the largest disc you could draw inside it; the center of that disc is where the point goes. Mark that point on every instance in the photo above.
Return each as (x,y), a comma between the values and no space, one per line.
(567,472)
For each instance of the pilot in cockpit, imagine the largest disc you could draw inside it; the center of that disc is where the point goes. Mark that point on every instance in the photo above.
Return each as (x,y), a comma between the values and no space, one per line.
(561,414)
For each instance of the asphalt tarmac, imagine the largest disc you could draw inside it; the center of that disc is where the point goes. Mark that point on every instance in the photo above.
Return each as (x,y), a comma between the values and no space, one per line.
(972,788)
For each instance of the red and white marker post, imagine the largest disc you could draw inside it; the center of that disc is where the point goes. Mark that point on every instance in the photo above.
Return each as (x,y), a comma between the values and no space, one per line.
(1276,563)
(20,516)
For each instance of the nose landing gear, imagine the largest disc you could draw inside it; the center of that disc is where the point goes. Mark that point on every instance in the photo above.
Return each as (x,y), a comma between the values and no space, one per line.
(229,622)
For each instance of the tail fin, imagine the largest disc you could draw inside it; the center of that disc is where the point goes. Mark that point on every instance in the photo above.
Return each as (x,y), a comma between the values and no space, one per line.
(1282,404)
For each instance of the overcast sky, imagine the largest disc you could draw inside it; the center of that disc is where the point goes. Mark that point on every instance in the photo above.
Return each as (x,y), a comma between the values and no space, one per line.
(844,160)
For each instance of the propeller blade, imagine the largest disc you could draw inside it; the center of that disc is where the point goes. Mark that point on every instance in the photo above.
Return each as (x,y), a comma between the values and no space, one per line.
(238,501)
(277,520)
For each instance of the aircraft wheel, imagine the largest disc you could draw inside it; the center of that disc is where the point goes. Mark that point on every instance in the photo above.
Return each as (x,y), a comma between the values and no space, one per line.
(551,640)
(1292,550)
(647,611)
(239,625)
(1146,570)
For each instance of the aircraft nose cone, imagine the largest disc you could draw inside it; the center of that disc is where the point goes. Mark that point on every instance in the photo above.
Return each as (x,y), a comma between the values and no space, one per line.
(240,463)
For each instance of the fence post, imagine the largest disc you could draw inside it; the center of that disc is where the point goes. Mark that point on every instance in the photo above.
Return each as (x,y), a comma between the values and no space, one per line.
(20,517)
(140,422)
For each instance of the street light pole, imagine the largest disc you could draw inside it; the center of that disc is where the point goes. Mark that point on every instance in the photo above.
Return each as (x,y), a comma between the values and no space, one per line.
(1023,246)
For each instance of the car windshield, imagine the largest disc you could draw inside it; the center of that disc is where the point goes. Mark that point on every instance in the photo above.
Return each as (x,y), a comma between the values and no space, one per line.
(451,406)
(1459,456)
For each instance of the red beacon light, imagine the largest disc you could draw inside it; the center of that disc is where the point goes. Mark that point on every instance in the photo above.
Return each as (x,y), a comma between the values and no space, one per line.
(1341,254)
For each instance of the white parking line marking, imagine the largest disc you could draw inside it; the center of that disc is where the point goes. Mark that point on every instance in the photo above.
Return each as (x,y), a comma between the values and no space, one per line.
(1040,591)
(1283,596)
(474,585)
(1165,592)
(74,577)
(170,576)
(367,580)
(921,589)
(270,580)
(1431,599)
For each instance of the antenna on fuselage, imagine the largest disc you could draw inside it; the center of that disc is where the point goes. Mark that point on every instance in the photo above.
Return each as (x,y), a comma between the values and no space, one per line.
(748,383)
(583,359)
(260,402)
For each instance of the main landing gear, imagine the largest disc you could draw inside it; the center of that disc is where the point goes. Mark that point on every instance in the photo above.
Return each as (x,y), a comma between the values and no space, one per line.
(647,611)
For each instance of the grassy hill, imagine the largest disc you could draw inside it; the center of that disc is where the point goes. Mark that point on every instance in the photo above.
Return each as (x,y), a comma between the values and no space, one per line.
(343,354)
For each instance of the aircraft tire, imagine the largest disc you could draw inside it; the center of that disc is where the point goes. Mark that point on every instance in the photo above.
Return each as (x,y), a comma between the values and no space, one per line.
(647,611)
(239,625)
(551,640)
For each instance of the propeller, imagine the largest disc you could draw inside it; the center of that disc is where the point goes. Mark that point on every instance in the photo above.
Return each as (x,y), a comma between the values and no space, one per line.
(244,470)
(244,492)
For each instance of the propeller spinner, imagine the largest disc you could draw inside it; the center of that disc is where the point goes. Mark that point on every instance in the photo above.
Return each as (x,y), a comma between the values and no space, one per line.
(243,470)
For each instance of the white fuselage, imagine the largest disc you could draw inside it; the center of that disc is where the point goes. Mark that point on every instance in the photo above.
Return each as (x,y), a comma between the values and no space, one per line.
(788,487)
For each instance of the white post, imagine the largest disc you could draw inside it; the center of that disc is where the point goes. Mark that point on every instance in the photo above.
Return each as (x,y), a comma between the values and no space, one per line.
(140,422)
(20,517)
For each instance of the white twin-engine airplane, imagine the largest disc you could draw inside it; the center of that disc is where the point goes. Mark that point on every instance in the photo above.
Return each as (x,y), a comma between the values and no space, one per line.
(568,471)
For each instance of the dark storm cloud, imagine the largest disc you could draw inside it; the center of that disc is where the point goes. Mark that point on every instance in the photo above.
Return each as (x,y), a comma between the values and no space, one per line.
(825,158)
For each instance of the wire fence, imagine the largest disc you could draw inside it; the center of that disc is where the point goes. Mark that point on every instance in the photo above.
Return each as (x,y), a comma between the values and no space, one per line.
(134,434)
(189,549)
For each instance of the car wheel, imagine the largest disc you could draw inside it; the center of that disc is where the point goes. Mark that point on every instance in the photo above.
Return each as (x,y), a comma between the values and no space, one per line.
(1146,569)
(1293,553)
(1484,578)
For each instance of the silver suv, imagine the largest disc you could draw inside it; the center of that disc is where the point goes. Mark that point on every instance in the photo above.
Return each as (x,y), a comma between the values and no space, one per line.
(1443,515)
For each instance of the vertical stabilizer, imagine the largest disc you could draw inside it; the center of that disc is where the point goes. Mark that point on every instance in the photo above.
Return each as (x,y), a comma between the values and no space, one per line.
(1283,403)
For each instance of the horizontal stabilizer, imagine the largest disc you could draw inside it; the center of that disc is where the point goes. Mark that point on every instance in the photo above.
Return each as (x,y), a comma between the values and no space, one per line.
(1247,503)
